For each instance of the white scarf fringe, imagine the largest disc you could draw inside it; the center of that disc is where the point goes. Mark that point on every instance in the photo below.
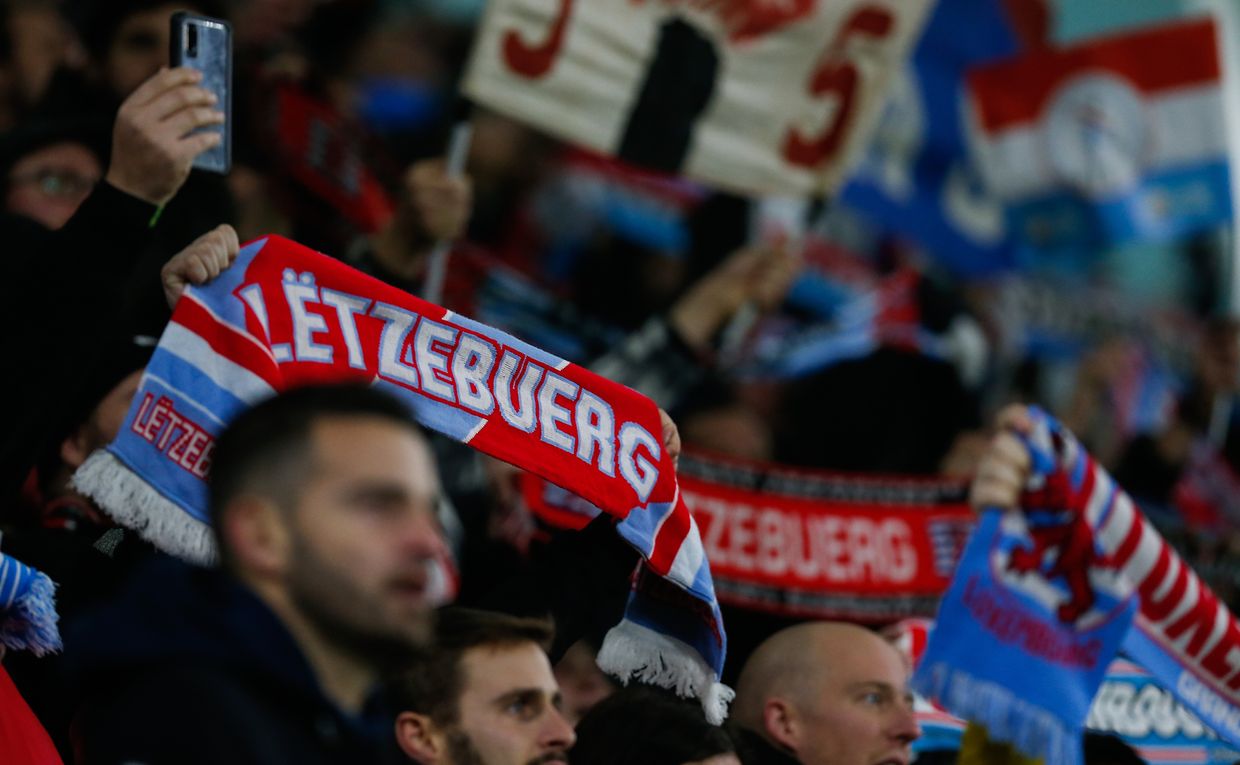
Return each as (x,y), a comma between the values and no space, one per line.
(137,506)
(633,652)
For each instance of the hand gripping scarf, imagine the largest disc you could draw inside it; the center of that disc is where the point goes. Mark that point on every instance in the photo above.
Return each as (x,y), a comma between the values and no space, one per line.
(1047,594)
(284,316)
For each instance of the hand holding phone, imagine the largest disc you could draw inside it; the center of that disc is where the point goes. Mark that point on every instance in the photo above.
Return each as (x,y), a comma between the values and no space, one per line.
(205,44)
(157,135)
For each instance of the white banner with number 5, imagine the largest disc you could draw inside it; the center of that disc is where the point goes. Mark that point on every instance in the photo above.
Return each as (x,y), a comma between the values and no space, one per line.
(758,96)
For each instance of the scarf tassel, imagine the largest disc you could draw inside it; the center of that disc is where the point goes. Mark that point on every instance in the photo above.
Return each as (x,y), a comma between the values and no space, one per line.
(136,505)
(633,652)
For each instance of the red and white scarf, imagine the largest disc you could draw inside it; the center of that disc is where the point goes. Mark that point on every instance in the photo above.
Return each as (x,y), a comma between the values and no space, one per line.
(284,316)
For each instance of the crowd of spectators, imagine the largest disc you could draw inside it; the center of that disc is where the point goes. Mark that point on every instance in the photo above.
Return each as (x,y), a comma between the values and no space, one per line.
(670,288)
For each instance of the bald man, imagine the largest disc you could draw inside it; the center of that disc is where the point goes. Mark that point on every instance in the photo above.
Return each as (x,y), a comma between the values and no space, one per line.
(825,693)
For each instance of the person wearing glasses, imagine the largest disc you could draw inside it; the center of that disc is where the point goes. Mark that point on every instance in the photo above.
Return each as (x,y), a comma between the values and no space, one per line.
(50,169)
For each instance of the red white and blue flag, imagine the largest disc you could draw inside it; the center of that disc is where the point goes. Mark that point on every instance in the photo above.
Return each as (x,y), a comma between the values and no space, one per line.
(1119,139)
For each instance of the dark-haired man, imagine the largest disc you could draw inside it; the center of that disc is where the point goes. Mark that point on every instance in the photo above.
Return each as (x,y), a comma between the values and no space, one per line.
(484,695)
(322,501)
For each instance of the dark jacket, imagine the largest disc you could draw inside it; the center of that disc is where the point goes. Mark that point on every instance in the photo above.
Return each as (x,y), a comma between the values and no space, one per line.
(69,298)
(752,749)
(61,292)
(187,666)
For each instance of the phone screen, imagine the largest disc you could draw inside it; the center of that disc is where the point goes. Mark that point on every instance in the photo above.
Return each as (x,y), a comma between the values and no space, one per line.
(205,44)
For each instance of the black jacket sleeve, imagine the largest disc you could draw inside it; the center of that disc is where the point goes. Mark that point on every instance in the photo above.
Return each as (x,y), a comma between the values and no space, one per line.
(61,293)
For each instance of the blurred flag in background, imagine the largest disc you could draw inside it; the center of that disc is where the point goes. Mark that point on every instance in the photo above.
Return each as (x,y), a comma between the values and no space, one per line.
(758,96)
(916,178)
(1116,140)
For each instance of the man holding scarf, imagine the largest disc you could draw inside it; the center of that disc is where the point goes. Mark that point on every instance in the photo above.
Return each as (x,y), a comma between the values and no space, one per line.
(322,503)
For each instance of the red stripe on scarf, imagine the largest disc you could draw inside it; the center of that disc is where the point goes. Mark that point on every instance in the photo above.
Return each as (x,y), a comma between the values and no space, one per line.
(667,541)
(237,347)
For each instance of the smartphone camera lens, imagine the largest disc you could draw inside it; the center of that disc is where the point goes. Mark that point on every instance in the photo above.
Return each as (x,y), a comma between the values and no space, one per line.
(191,40)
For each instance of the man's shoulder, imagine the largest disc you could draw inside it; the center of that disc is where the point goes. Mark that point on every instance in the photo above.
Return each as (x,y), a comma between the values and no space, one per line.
(197,684)
(752,749)
(210,713)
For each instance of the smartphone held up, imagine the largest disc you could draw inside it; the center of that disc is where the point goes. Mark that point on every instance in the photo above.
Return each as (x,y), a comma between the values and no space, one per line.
(205,44)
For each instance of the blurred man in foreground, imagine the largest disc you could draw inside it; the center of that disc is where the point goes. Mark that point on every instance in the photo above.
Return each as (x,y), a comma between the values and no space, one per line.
(323,507)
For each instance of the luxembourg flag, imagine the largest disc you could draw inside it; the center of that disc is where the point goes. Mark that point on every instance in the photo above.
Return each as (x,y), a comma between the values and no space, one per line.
(1119,139)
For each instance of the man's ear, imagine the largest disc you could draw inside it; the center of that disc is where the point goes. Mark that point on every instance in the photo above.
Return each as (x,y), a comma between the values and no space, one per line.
(75,448)
(256,532)
(420,740)
(782,725)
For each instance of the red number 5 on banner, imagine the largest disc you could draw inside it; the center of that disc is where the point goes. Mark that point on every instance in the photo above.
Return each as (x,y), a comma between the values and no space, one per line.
(836,75)
(534,61)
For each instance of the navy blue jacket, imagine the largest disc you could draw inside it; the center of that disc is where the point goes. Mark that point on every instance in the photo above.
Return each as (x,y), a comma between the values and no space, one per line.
(188,666)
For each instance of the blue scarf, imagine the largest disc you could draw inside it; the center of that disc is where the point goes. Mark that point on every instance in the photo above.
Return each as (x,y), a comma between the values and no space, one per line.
(1046,595)
(27,608)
